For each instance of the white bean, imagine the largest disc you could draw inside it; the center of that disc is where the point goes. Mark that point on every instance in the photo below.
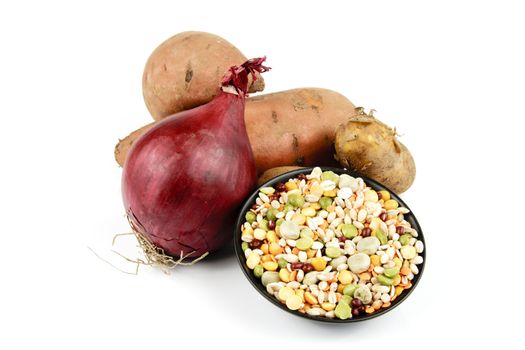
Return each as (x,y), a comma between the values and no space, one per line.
(314,311)
(342,267)
(344,193)
(361,215)
(403,210)
(300,276)
(419,247)
(385,298)
(359,225)
(350,250)
(378,269)
(332,298)
(418,260)
(302,257)
(336,222)
(311,198)
(293,284)
(323,277)
(317,245)
(311,224)
(339,211)
(291,258)
(321,297)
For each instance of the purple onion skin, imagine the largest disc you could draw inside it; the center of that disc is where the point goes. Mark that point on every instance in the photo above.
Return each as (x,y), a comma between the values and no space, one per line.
(185,179)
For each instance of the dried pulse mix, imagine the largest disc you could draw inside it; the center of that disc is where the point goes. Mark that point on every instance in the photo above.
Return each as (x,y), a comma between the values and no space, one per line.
(328,245)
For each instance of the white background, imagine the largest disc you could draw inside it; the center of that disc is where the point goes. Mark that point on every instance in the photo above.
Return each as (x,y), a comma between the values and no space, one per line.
(449,75)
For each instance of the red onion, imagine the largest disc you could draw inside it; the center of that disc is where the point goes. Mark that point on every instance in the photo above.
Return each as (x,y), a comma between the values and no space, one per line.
(185,178)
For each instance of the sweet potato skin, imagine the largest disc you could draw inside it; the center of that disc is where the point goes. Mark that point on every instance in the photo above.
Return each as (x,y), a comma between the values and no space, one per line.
(295,126)
(290,127)
(185,72)
(124,145)
(273,172)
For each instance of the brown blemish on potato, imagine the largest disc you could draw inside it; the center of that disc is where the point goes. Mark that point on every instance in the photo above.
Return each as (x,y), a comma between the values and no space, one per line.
(165,67)
(300,161)
(189,74)
(274,117)
(316,110)
(295,142)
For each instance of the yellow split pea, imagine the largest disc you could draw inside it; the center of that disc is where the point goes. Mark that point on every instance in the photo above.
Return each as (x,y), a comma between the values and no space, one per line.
(318,264)
(345,277)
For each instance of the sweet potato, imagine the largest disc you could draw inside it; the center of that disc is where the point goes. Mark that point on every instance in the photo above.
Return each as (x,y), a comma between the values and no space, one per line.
(124,145)
(273,172)
(185,72)
(290,127)
(371,148)
(295,126)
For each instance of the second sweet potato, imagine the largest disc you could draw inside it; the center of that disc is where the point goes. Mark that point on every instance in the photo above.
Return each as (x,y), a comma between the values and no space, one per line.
(289,127)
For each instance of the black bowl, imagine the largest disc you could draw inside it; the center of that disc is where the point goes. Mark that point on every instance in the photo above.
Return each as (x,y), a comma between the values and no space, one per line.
(256,282)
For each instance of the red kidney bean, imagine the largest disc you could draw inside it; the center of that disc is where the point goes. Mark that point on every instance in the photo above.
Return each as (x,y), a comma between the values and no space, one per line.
(280,187)
(356,303)
(271,224)
(301,177)
(255,243)
(366,232)
(297,266)
(307,267)
(400,230)
(383,216)
(379,196)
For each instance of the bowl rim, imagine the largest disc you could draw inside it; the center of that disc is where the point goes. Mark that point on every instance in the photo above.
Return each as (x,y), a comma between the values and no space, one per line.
(255,282)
